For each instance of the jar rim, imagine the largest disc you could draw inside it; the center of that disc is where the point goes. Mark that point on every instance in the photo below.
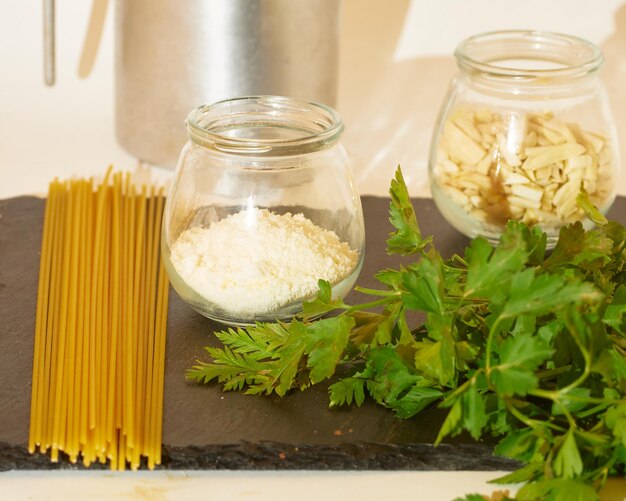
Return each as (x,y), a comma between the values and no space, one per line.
(310,126)
(487,53)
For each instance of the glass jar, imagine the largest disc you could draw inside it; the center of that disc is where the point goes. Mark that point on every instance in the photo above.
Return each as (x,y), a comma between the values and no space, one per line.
(263,205)
(526,126)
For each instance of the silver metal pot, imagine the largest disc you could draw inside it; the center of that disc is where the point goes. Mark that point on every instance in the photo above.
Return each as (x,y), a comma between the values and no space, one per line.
(173,55)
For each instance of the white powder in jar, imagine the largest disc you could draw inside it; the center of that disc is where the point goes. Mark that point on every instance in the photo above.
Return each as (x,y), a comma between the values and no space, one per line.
(256,261)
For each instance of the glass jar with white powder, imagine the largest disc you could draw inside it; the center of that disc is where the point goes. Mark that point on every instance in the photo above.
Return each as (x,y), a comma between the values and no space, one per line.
(263,206)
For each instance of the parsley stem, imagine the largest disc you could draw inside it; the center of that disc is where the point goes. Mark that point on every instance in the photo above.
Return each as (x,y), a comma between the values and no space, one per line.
(366,306)
(602,472)
(463,301)
(531,423)
(488,347)
(568,415)
(592,411)
(550,373)
(560,394)
(459,259)
(583,351)
(377,292)
(451,398)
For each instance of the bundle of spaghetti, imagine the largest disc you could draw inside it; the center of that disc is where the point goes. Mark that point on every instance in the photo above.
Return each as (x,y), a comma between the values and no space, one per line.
(99,349)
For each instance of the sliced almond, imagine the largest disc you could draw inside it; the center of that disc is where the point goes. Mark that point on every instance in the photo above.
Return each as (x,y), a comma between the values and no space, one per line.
(542,141)
(480,180)
(533,151)
(544,174)
(460,146)
(530,217)
(556,173)
(591,173)
(494,198)
(465,184)
(457,196)
(484,166)
(479,214)
(552,136)
(589,185)
(580,162)
(553,154)
(604,157)
(448,166)
(539,117)
(515,178)
(527,167)
(487,128)
(508,151)
(595,140)
(477,201)
(558,127)
(531,139)
(528,192)
(545,216)
(523,202)
(566,193)
(466,125)
(483,115)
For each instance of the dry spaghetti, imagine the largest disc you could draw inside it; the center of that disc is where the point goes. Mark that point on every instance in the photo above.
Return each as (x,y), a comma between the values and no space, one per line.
(99,351)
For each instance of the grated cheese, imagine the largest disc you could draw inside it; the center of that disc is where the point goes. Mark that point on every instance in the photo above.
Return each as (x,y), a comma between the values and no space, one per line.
(256,261)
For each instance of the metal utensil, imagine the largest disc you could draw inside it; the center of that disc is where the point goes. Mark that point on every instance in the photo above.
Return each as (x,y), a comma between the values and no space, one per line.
(171,56)
(49,42)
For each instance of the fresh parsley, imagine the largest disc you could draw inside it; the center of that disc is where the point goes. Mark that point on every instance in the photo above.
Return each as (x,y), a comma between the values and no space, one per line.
(518,343)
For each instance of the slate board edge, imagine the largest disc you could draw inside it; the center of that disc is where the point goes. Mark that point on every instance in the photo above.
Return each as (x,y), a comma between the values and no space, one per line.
(278,456)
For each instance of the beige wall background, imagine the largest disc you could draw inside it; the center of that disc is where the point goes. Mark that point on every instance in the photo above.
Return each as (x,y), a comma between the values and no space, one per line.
(395,65)
(396,62)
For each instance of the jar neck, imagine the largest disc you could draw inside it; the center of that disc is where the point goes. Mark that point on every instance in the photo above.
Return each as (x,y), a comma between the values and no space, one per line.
(531,90)
(264,126)
(529,62)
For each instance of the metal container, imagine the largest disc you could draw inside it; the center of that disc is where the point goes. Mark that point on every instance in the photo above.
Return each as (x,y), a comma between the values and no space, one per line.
(171,56)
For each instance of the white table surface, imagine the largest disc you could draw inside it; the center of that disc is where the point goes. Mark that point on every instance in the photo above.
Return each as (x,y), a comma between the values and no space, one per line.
(68,130)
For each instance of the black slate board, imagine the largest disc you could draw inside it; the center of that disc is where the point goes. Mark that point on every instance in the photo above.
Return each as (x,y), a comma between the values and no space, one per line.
(205,428)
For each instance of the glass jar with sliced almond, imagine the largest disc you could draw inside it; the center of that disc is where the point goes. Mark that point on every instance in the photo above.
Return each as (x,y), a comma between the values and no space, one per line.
(525,129)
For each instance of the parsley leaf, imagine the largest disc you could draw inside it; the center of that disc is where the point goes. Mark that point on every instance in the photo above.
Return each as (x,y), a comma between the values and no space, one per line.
(519,357)
(324,343)
(490,271)
(615,314)
(474,411)
(390,376)
(424,286)
(414,400)
(407,239)
(540,294)
(583,200)
(344,391)
(579,247)
(515,344)
(567,462)
(323,302)
(558,489)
